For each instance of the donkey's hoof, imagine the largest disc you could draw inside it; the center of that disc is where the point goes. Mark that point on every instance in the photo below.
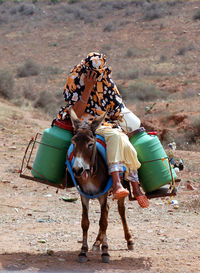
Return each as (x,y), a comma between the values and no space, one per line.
(96,248)
(82,258)
(130,245)
(105,258)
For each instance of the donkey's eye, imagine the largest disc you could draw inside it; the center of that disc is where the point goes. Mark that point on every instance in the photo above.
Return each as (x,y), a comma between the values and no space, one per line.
(90,145)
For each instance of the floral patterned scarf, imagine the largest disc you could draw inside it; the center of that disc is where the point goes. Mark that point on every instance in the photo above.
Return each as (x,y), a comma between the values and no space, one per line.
(104,95)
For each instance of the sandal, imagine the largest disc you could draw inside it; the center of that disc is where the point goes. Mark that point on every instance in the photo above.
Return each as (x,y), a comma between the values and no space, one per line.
(139,196)
(143,201)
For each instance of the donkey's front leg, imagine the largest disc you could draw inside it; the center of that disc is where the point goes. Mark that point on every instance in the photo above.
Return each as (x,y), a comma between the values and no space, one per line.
(82,258)
(103,224)
(127,233)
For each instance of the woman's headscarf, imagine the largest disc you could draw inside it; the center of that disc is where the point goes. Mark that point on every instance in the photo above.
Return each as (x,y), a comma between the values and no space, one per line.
(104,96)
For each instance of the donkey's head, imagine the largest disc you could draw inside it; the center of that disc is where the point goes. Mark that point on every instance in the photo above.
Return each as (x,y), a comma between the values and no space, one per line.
(84,145)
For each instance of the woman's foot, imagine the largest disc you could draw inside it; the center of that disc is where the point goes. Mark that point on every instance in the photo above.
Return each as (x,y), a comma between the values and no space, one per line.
(119,193)
(118,189)
(141,198)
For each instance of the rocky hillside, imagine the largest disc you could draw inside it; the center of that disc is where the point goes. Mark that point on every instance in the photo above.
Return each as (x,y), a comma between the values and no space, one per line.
(152,46)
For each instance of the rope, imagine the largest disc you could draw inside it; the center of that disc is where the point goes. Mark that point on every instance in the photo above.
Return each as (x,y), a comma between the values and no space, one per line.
(170,170)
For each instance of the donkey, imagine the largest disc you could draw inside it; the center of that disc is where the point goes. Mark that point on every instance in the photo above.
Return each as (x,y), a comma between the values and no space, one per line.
(91,173)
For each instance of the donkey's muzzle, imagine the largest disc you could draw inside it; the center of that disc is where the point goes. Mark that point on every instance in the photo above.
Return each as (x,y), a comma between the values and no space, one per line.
(81,173)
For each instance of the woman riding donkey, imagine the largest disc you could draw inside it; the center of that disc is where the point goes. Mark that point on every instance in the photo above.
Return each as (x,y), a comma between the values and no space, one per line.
(90,91)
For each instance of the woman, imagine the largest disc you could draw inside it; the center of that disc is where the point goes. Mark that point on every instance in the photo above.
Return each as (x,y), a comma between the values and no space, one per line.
(90,91)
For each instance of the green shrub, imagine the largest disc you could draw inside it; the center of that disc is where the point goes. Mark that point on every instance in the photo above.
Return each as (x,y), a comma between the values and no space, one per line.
(6,84)
(156,10)
(163,58)
(73,1)
(196,124)
(129,75)
(44,100)
(29,93)
(28,69)
(26,9)
(109,27)
(129,53)
(54,1)
(197,15)
(49,70)
(181,51)
(141,91)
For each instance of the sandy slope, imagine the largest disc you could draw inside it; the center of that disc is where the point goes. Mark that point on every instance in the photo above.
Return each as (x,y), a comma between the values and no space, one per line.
(166,239)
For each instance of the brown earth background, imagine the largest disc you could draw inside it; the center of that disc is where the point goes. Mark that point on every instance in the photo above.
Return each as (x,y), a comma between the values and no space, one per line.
(153,48)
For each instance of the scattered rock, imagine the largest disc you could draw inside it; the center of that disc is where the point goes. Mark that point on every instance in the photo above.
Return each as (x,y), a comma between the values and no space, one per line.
(42,241)
(50,252)
(12,148)
(189,186)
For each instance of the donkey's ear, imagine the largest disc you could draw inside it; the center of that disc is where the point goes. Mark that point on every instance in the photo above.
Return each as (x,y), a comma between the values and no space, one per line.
(97,122)
(74,119)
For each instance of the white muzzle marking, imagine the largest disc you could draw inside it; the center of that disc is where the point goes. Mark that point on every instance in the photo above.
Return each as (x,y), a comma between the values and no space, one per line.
(79,162)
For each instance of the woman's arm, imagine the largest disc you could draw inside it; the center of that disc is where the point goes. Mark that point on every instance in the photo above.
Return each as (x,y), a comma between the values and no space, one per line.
(90,80)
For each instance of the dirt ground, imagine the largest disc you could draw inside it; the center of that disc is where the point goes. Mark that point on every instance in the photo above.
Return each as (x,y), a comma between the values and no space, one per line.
(40,232)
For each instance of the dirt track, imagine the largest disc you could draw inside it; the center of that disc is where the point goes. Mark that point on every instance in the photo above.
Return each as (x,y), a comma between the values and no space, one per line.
(41,232)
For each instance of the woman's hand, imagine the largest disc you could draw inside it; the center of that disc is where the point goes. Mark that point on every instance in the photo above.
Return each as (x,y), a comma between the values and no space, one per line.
(90,80)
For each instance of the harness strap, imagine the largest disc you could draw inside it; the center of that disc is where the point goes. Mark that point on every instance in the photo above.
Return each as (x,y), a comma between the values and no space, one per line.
(100,143)
(107,187)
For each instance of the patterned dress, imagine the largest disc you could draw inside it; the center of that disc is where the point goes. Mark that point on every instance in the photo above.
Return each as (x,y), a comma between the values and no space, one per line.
(103,97)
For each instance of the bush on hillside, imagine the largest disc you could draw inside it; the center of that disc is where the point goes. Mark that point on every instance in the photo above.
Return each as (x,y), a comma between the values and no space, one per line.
(73,1)
(197,15)
(45,98)
(50,70)
(29,93)
(156,10)
(28,69)
(109,27)
(27,9)
(196,124)
(128,75)
(6,84)
(140,91)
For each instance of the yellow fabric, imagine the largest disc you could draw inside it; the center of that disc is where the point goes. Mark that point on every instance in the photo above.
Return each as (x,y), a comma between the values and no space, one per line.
(119,149)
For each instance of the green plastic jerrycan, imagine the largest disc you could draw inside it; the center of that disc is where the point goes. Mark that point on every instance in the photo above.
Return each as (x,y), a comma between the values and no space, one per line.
(50,159)
(155,170)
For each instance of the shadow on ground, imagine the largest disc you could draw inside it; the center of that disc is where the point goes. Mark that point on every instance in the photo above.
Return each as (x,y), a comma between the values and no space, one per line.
(66,261)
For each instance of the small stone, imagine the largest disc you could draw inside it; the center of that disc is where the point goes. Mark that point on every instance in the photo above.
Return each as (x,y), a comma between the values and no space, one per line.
(42,241)
(12,148)
(50,252)
(5,181)
(61,259)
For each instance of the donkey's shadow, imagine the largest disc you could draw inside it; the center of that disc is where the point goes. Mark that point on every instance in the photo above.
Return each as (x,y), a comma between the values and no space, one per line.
(66,261)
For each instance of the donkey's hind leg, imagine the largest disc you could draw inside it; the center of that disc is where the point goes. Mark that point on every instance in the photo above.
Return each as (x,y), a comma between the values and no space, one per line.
(127,233)
(82,257)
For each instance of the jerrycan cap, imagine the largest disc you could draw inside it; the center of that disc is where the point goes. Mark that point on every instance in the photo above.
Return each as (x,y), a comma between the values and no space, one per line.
(153,133)
(64,124)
